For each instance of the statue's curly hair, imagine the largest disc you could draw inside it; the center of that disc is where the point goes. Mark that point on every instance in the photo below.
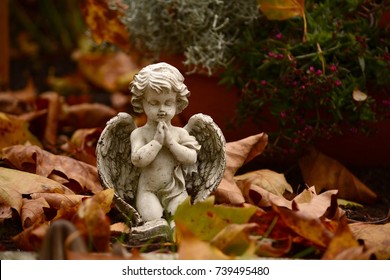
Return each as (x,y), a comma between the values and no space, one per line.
(159,77)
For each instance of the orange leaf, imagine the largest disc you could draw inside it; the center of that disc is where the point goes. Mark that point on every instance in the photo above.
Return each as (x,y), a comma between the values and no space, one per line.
(310,228)
(238,153)
(342,241)
(32,211)
(80,177)
(282,9)
(326,173)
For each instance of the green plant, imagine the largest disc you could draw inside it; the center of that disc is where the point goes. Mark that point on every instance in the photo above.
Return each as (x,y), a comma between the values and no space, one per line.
(317,86)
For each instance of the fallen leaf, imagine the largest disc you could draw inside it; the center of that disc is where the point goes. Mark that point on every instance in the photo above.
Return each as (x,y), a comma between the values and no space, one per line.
(14,184)
(20,101)
(5,212)
(206,219)
(92,221)
(78,176)
(192,247)
(53,105)
(376,237)
(14,131)
(86,115)
(267,247)
(234,239)
(31,238)
(326,173)
(32,211)
(237,154)
(82,145)
(282,9)
(304,225)
(343,240)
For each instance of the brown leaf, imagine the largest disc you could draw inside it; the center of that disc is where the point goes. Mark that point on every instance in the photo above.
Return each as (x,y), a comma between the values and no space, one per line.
(303,224)
(326,173)
(92,221)
(376,237)
(31,238)
(32,211)
(14,184)
(238,153)
(82,145)
(53,105)
(104,23)
(81,177)
(17,102)
(14,131)
(87,115)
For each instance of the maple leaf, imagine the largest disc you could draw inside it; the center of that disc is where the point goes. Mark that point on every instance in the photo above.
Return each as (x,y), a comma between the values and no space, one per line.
(326,173)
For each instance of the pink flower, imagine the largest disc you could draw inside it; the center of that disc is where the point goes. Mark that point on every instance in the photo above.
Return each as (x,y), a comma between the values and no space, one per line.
(271,54)
(319,72)
(312,69)
(263,82)
(279,36)
(333,68)
(337,83)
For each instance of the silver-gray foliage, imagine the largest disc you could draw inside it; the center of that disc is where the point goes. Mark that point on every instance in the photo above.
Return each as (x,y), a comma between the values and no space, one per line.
(203,30)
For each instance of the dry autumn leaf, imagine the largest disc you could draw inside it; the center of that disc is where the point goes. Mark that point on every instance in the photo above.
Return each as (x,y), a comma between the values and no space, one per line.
(14,184)
(14,131)
(375,237)
(82,145)
(206,219)
(238,153)
(326,173)
(92,221)
(77,175)
(192,247)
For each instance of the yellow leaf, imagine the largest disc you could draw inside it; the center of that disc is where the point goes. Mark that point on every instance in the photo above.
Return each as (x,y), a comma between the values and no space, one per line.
(282,9)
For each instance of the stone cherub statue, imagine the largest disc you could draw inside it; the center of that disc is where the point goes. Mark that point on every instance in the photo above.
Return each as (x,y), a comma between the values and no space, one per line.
(155,167)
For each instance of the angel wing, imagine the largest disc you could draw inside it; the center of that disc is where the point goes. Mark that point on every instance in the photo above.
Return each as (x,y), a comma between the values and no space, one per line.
(115,169)
(211,161)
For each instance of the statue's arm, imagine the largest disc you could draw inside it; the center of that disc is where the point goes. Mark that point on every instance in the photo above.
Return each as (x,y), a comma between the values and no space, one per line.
(143,154)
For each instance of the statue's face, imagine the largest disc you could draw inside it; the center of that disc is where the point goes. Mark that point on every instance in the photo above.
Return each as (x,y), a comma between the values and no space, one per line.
(159,106)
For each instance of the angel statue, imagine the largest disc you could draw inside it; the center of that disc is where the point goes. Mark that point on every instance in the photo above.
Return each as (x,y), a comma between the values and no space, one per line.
(155,167)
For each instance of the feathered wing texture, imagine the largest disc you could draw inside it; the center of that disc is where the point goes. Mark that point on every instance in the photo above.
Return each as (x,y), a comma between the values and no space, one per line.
(211,161)
(116,171)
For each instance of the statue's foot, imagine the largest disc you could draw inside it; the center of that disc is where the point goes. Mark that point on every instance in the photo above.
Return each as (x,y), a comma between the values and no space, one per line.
(151,232)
